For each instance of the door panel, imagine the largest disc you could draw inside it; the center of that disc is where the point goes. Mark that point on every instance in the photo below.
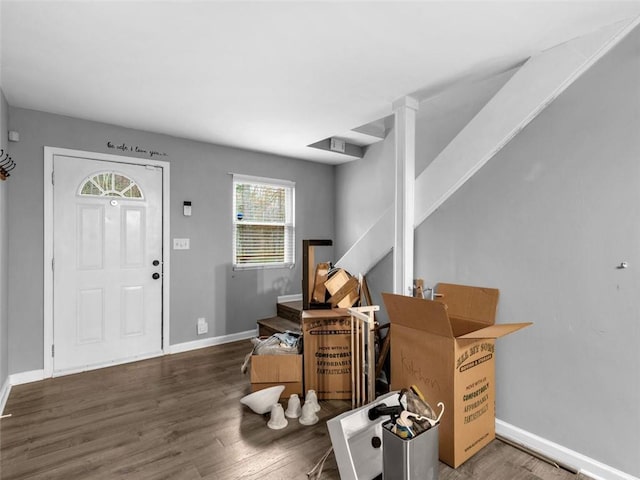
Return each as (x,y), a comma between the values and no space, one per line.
(107,306)
(132,311)
(90,317)
(133,226)
(91,239)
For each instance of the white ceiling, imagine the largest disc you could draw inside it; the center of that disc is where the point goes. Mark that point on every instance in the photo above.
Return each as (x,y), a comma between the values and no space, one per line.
(268,76)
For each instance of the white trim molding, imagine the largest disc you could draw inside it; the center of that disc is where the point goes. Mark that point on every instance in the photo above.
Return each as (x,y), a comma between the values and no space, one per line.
(577,461)
(4,394)
(38,375)
(297,297)
(211,341)
(26,377)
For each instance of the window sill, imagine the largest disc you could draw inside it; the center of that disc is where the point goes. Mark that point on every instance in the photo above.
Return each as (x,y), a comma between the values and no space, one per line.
(263,266)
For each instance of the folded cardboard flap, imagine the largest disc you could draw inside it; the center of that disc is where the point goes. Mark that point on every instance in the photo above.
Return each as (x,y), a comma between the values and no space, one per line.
(495,331)
(438,318)
(412,312)
(477,304)
(461,326)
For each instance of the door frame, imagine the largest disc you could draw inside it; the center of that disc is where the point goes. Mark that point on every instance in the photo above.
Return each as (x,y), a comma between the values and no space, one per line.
(49,153)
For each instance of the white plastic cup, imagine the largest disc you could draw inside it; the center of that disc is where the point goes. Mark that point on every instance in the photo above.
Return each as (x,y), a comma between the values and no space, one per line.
(294,407)
(277,420)
(309,416)
(312,398)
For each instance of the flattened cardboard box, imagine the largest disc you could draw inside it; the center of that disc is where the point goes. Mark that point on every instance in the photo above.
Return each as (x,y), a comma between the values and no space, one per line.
(446,348)
(327,353)
(270,370)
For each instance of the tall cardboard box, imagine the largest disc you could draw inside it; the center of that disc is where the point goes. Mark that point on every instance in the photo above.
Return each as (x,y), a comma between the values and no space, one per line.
(327,353)
(446,348)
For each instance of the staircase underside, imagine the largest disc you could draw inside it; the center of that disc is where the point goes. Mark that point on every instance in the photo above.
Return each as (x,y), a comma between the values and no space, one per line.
(540,80)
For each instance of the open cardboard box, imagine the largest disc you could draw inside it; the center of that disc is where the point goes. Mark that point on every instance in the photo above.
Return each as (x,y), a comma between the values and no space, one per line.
(270,370)
(447,349)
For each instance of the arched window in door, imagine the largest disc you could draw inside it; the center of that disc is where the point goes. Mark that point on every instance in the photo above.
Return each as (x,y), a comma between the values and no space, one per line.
(110,184)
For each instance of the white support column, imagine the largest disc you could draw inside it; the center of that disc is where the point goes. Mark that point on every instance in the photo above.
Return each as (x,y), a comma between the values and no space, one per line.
(405,155)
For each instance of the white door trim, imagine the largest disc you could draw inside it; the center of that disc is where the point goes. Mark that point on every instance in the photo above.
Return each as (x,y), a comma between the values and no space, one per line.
(49,153)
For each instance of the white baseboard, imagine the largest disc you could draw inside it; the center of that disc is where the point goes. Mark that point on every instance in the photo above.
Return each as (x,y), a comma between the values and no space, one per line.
(211,341)
(26,377)
(4,394)
(290,298)
(587,466)
(37,375)
(17,379)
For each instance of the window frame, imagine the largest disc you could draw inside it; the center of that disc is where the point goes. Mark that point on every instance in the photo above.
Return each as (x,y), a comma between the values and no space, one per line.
(110,193)
(289,223)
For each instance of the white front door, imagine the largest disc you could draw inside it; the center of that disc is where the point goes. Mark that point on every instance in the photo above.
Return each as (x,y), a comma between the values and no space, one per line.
(107,250)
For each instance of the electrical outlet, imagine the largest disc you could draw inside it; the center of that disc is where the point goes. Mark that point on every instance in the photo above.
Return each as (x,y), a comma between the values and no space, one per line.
(203,326)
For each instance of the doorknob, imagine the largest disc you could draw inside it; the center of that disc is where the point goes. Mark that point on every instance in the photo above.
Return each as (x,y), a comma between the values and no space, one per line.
(156,263)
(155,276)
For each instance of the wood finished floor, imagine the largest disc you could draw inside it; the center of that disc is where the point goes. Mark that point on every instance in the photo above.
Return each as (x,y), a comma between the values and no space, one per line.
(178,417)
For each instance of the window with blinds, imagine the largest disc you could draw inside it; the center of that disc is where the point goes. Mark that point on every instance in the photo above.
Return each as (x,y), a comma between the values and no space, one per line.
(264,226)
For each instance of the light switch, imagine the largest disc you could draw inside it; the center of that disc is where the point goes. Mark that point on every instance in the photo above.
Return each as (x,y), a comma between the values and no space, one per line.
(181,244)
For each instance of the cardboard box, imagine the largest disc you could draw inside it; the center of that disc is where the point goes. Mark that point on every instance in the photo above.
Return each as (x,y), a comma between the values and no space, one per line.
(270,370)
(446,349)
(343,289)
(327,353)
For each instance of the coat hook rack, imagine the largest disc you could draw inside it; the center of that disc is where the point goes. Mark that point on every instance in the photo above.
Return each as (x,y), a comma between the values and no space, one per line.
(6,164)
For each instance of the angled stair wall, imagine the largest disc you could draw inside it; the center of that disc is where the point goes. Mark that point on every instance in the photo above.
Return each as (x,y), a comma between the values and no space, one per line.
(529,91)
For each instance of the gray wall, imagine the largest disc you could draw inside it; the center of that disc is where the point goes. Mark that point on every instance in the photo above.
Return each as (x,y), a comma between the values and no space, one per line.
(364,189)
(547,221)
(202,281)
(367,185)
(4,249)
